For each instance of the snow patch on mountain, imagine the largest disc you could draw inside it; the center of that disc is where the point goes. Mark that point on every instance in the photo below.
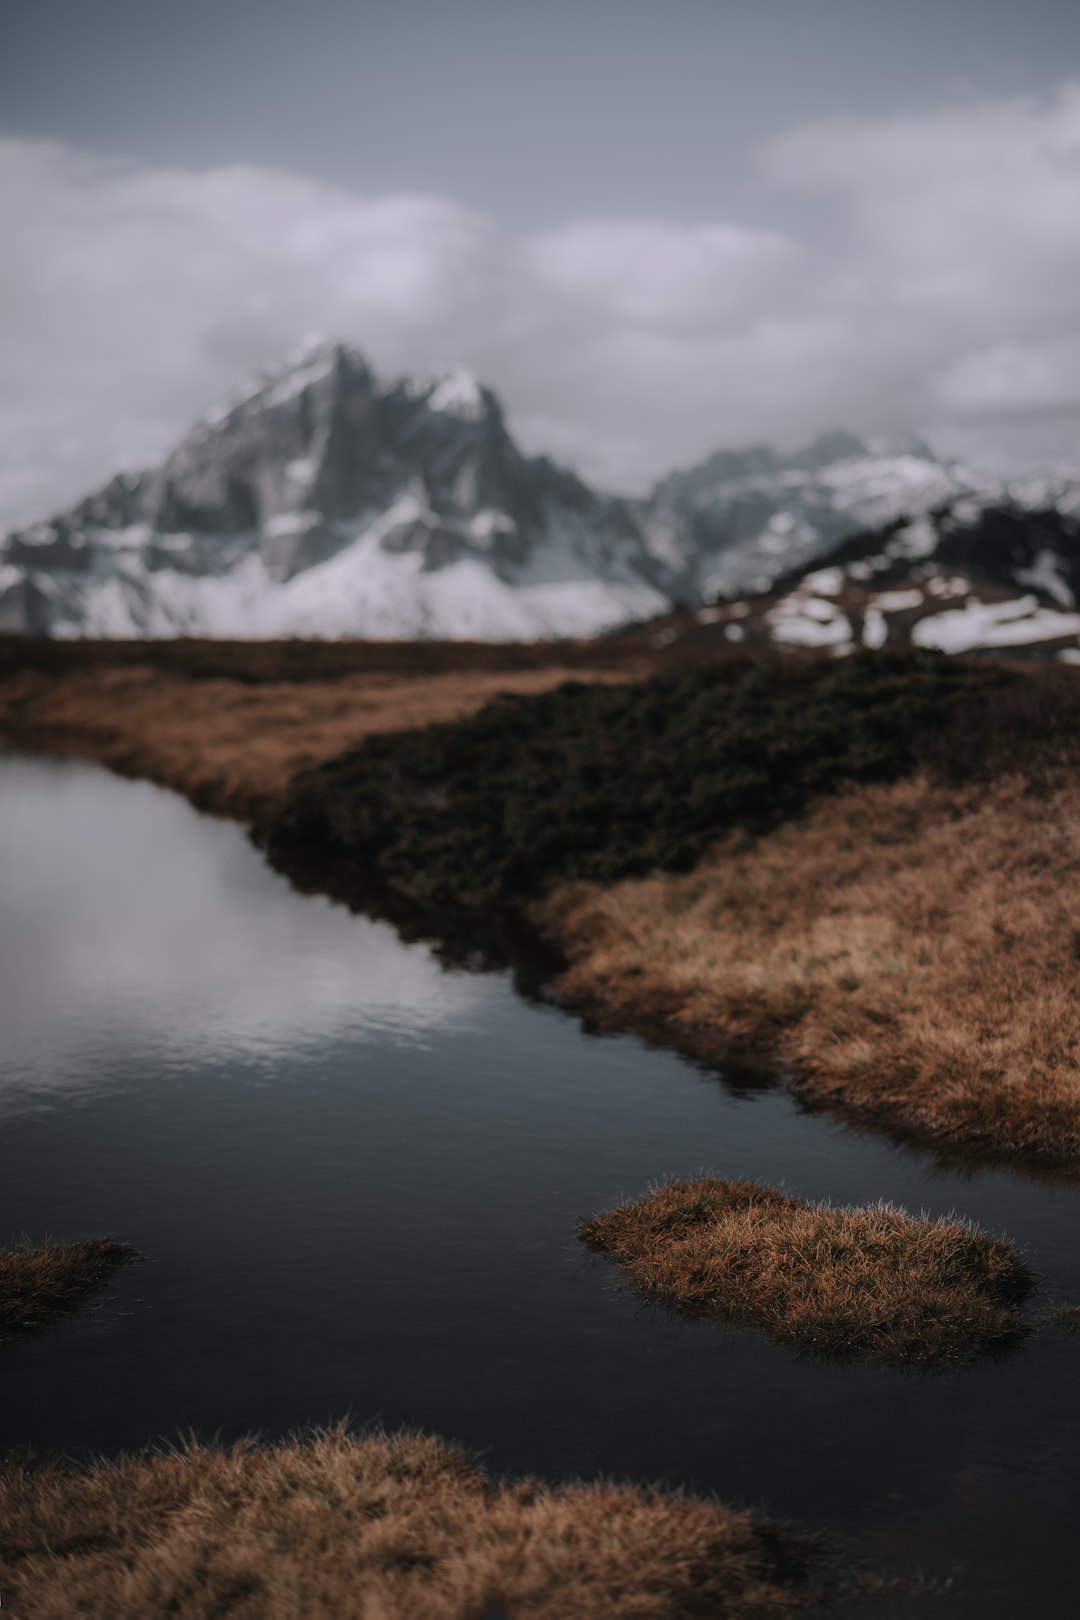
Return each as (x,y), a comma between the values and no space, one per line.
(808,621)
(1018,623)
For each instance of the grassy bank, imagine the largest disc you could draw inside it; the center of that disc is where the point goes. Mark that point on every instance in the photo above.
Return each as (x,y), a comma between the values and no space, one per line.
(37,1286)
(842,1283)
(909,952)
(371,1528)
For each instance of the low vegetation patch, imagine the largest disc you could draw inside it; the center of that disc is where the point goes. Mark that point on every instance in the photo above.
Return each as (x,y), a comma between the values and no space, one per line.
(39,1285)
(605,781)
(872,1282)
(375,1528)
(909,952)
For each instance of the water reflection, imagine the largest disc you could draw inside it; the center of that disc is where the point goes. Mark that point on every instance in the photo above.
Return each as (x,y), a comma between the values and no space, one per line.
(128,920)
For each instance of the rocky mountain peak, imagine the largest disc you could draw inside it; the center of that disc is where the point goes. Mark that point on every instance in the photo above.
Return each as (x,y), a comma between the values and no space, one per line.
(457,392)
(318,361)
(411,490)
(738,520)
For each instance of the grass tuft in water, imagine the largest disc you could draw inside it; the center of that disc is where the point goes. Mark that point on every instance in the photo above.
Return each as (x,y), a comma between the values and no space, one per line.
(841,1283)
(39,1285)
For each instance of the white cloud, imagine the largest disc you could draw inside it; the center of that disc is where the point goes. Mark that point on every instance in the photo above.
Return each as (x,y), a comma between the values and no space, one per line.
(940,285)
(1014,379)
(649,276)
(971,211)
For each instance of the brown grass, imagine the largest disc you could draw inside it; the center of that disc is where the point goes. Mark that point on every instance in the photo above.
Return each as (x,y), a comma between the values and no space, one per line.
(378,1527)
(230,744)
(910,952)
(297,659)
(871,1282)
(39,1285)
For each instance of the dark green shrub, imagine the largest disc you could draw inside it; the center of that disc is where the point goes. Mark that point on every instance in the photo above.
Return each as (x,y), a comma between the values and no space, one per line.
(603,782)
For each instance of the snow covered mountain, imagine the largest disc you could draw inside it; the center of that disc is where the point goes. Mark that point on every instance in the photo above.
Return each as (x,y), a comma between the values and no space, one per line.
(970,576)
(848,544)
(323,502)
(741,519)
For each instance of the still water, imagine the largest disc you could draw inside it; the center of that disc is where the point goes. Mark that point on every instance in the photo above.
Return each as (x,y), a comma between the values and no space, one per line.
(356,1176)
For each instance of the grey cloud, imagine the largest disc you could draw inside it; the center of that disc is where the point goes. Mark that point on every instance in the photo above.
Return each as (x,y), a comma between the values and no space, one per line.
(940,285)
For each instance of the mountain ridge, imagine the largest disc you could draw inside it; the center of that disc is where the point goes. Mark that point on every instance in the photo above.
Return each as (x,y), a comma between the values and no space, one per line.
(322,500)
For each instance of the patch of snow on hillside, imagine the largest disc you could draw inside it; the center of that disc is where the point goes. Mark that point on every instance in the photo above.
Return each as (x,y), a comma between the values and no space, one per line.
(868,567)
(875,628)
(39,534)
(898,601)
(365,591)
(865,478)
(966,512)
(918,539)
(292,523)
(487,524)
(411,506)
(951,585)
(458,393)
(800,621)
(825,581)
(296,381)
(1045,575)
(1021,622)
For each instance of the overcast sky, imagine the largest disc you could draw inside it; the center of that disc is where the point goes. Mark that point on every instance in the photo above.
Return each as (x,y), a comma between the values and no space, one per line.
(655,228)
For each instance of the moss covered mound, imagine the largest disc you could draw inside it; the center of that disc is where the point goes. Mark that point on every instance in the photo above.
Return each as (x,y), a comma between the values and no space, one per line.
(843,1283)
(605,782)
(39,1285)
(373,1526)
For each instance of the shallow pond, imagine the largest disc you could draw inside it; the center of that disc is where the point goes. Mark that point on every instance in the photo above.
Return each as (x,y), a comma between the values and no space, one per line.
(357,1177)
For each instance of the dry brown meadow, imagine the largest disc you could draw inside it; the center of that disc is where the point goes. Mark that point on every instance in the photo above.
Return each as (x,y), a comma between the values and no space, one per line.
(909,953)
(842,1283)
(375,1528)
